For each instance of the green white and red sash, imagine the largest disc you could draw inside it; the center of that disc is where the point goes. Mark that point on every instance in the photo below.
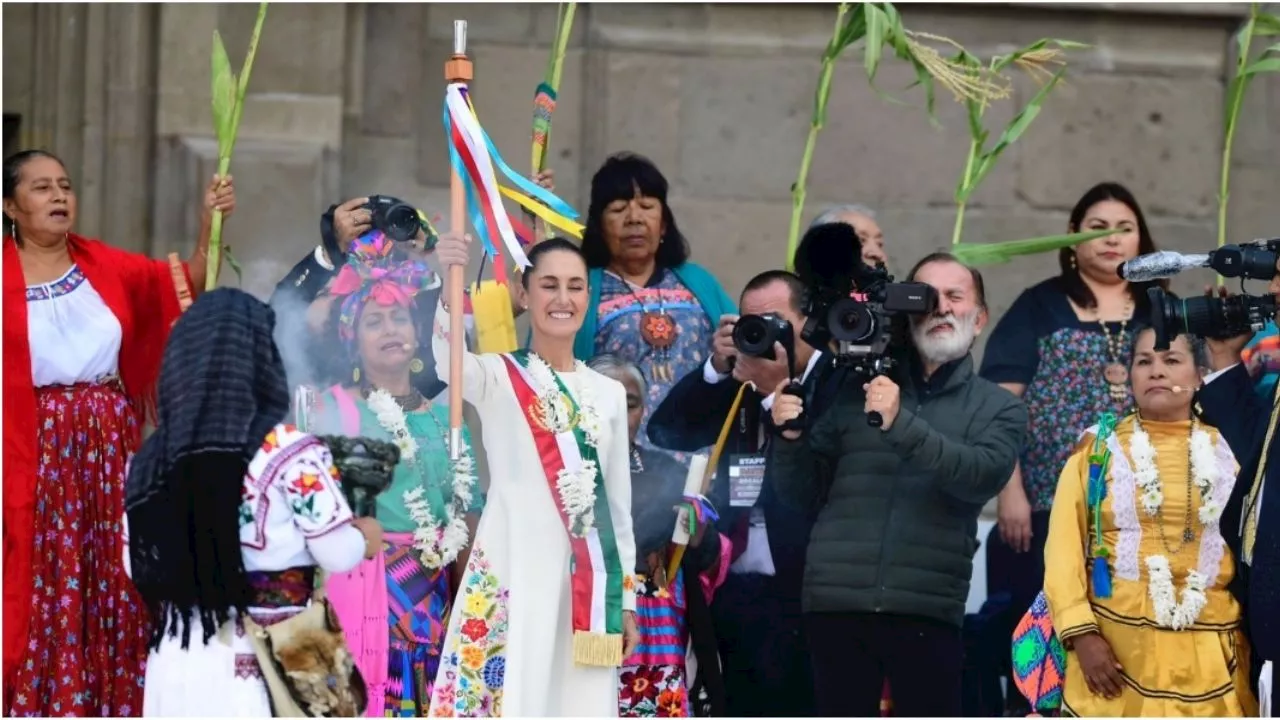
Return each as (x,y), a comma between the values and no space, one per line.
(595,569)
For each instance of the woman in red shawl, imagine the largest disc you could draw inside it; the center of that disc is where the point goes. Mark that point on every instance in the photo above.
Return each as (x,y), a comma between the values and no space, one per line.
(84,328)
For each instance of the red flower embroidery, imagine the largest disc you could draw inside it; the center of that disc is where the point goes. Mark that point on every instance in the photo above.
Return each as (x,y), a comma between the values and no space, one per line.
(475,629)
(306,484)
(640,684)
(671,703)
(270,443)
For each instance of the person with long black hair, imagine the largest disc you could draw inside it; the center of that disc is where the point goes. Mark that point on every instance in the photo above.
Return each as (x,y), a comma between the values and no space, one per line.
(229,512)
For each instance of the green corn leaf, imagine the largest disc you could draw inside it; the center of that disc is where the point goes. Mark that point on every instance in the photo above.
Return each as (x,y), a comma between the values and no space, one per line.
(233,263)
(1016,127)
(877,27)
(1267,25)
(1265,65)
(223,94)
(998,253)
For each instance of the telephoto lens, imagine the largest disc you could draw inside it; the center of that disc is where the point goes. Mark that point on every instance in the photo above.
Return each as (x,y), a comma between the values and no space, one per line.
(1206,316)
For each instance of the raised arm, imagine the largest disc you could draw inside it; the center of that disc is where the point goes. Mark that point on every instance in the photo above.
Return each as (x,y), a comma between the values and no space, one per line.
(617,483)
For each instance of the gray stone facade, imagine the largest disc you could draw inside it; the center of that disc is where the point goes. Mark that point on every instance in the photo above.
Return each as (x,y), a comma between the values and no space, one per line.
(345,100)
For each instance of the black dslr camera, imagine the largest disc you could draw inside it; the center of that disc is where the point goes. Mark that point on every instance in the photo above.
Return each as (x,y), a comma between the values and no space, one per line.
(857,308)
(755,336)
(395,217)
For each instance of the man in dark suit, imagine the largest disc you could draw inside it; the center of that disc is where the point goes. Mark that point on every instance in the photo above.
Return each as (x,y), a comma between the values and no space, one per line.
(1251,520)
(757,610)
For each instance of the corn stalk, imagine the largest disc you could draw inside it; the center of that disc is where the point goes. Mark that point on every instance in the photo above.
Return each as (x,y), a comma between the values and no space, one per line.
(1002,252)
(1259,24)
(228,106)
(879,27)
(1034,59)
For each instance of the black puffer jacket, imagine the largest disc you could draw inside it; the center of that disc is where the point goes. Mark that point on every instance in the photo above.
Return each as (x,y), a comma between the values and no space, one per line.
(898,509)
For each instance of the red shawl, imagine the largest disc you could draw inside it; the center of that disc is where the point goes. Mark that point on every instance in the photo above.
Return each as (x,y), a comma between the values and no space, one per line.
(141,294)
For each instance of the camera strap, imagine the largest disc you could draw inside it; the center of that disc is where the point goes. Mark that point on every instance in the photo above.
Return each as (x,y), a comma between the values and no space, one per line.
(1249,532)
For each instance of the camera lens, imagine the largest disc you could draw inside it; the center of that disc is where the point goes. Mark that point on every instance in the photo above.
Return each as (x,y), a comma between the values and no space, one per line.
(850,321)
(1210,317)
(400,222)
(753,335)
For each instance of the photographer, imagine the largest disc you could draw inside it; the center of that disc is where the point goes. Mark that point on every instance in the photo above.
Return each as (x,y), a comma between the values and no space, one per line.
(891,552)
(1251,521)
(757,610)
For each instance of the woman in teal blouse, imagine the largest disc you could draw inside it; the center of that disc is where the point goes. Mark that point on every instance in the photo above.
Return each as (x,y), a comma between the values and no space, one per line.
(394,608)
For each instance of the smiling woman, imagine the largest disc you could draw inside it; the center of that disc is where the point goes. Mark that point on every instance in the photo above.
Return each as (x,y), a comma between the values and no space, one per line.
(84,328)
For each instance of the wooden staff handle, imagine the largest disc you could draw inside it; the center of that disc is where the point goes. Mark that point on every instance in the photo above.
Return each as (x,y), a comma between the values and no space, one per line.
(180,283)
(457,70)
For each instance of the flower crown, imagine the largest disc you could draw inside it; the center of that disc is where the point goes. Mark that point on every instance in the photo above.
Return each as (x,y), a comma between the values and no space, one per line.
(375,271)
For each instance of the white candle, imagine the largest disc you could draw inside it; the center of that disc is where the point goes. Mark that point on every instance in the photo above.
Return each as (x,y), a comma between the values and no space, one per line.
(692,486)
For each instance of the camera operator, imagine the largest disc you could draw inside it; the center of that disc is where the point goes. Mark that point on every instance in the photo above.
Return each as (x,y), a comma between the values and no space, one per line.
(1250,523)
(294,296)
(757,610)
(891,552)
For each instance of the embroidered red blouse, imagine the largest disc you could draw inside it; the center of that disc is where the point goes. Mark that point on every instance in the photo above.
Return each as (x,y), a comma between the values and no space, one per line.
(141,294)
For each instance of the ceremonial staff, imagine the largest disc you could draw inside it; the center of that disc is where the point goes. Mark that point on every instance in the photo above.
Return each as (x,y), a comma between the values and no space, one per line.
(457,70)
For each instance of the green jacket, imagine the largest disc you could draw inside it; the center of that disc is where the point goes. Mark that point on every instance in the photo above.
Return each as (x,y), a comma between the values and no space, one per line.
(898,509)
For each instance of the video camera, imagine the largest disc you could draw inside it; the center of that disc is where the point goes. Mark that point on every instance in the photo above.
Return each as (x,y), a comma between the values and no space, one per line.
(395,217)
(856,307)
(1212,317)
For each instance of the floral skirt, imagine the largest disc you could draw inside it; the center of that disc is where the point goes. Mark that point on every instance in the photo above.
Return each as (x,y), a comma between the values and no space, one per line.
(87,643)
(653,680)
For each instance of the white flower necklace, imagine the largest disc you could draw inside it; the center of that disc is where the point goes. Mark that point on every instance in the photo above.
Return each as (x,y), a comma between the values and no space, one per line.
(1172,611)
(438,542)
(577,488)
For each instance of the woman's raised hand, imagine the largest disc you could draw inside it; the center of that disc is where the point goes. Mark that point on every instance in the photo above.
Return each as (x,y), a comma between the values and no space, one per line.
(453,249)
(219,195)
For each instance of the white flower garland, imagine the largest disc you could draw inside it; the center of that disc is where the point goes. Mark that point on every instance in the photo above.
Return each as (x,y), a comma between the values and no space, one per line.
(438,542)
(391,417)
(1170,611)
(577,488)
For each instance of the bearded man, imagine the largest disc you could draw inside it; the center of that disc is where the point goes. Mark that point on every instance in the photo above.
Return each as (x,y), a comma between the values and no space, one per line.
(891,553)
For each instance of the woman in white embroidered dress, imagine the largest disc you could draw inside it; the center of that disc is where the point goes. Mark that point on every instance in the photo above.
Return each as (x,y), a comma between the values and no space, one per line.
(1137,568)
(228,512)
(546,607)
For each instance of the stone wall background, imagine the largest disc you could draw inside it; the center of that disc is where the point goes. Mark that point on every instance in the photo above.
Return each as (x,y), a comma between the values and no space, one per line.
(345,100)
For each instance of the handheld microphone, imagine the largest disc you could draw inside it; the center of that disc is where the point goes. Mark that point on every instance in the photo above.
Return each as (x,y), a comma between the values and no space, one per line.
(1160,265)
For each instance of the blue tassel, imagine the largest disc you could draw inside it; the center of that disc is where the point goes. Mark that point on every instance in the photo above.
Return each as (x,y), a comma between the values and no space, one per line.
(1101,578)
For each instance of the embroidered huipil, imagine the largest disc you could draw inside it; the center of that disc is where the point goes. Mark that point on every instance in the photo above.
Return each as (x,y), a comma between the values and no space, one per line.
(293,517)
(509,646)
(1201,671)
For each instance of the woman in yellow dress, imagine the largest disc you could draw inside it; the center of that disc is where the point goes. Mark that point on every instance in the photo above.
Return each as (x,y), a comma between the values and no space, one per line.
(1137,570)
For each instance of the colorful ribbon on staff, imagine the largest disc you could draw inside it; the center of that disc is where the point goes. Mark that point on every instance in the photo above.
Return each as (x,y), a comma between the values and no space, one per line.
(701,511)
(544,104)
(474,158)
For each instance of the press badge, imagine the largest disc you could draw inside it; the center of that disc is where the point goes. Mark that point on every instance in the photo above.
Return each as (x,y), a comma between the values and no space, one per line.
(746,479)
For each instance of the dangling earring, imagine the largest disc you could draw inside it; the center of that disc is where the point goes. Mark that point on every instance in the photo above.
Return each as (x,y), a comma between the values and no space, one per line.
(415,366)
(1073,261)
(355,375)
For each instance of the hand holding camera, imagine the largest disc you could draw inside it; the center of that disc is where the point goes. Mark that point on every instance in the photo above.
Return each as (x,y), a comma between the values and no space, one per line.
(722,347)
(788,406)
(1224,351)
(883,398)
